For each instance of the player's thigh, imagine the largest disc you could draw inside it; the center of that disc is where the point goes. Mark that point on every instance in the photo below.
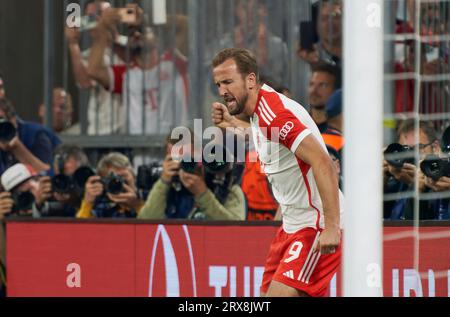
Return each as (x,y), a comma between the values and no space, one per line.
(277,289)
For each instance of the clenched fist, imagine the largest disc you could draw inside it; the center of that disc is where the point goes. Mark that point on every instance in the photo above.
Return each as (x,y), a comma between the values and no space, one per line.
(221,116)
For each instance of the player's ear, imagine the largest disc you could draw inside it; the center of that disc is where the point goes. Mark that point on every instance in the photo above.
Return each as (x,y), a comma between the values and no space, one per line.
(251,80)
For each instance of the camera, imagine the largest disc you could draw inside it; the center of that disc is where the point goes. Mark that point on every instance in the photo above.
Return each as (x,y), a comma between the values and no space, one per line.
(128,15)
(397,155)
(148,175)
(64,184)
(435,167)
(7,131)
(445,140)
(217,159)
(113,184)
(22,201)
(189,166)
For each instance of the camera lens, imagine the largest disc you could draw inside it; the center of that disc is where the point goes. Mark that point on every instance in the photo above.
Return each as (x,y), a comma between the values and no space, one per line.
(432,167)
(62,184)
(7,131)
(23,201)
(445,140)
(397,154)
(216,167)
(188,167)
(217,159)
(81,176)
(114,184)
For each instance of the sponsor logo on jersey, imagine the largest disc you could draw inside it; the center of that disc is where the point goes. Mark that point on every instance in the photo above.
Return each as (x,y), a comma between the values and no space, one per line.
(286,129)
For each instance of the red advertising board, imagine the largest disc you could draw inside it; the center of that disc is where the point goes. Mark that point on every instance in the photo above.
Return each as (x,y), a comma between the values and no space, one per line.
(134,259)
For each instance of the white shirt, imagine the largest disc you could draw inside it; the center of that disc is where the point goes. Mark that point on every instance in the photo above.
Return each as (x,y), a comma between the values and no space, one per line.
(279,125)
(157,95)
(104,108)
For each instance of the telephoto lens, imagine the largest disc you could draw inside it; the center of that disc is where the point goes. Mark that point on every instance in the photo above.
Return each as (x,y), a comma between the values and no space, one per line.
(435,167)
(148,175)
(217,159)
(7,131)
(81,175)
(189,166)
(397,155)
(62,184)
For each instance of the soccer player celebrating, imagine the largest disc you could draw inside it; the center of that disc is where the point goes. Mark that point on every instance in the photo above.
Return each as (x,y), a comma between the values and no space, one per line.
(306,251)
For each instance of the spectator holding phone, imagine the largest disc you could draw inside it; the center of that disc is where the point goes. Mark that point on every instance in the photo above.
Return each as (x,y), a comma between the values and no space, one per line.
(104,108)
(153,88)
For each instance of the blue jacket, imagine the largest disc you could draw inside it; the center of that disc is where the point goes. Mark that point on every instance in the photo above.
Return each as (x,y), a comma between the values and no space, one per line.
(39,140)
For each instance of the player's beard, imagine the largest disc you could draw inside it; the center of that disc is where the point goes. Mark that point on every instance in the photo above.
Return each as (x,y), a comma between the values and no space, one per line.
(239,105)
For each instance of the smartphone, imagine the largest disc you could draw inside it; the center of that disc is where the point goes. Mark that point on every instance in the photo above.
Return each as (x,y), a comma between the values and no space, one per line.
(88,22)
(308,35)
(128,15)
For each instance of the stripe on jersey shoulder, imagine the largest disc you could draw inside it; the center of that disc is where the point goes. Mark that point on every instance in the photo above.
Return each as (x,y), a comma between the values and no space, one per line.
(265,105)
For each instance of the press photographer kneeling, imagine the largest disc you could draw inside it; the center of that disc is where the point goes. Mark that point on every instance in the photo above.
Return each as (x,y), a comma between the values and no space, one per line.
(191,190)
(112,192)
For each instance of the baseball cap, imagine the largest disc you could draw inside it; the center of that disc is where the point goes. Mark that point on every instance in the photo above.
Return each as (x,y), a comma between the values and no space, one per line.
(334,104)
(16,175)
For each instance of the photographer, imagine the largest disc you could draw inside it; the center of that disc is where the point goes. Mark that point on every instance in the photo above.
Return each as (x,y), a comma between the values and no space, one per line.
(112,192)
(24,142)
(21,188)
(58,196)
(196,193)
(436,169)
(399,176)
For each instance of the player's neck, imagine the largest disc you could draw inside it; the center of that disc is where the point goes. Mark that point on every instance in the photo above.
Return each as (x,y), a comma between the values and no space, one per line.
(252,100)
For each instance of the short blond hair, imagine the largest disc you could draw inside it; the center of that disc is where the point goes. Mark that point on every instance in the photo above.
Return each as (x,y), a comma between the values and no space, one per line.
(113,159)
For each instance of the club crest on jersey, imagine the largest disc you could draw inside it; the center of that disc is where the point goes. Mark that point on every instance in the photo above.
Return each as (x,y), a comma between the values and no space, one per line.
(286,129)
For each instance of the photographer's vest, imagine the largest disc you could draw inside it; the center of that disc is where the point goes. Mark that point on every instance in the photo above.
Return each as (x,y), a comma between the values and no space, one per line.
(255,185)
(333,138)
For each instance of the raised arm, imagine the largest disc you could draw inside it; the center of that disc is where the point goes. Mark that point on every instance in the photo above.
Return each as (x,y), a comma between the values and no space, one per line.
(23,155)
(102,36)
(80,71)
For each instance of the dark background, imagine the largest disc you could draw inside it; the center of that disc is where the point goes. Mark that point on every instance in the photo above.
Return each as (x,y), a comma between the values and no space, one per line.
(22,53)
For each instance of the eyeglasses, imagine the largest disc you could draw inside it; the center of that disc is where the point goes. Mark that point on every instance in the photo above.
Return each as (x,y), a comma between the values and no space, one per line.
(423,146)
